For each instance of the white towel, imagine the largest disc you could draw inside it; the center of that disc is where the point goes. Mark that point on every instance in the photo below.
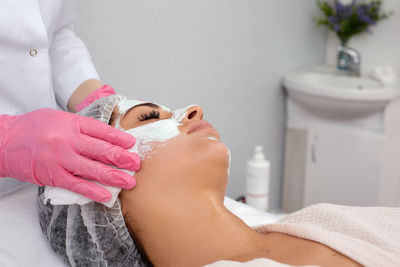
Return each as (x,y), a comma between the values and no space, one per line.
(385,74)
(60,196)
(368,235)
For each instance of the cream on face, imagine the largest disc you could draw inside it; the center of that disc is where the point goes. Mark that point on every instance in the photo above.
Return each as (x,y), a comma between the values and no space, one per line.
(159,131)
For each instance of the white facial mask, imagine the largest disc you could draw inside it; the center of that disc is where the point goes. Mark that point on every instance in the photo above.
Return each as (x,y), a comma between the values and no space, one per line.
(159,131)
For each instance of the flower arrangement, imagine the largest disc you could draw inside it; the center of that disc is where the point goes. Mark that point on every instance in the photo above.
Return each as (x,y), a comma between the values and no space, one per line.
(350,19)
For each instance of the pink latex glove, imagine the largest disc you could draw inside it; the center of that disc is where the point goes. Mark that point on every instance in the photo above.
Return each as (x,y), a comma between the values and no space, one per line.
(105,90)
(57,148)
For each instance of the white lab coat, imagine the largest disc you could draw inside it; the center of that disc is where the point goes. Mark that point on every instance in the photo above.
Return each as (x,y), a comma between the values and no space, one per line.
(42,62)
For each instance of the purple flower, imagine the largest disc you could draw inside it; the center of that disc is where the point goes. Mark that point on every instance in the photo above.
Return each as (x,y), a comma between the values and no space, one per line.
(343,11)
(362,13)
(335,22)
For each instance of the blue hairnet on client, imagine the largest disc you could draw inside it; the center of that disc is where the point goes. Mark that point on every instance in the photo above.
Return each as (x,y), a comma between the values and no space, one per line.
(90,234)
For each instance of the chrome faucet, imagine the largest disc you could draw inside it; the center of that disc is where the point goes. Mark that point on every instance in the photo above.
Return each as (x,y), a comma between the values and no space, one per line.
(349,60)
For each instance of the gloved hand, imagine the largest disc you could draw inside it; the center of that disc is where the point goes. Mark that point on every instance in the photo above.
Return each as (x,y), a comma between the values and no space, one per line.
(105,90)
(56,148)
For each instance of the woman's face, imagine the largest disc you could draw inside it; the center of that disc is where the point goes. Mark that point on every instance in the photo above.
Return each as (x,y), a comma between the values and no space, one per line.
(181,166)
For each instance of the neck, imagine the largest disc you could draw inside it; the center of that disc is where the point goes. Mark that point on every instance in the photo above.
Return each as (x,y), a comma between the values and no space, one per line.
(196,231)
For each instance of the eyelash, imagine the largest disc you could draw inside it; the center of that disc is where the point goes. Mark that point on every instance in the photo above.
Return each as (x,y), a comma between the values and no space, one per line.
(149,115)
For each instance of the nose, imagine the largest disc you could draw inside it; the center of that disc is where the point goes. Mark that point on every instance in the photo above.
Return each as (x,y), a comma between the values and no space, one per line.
(193,113)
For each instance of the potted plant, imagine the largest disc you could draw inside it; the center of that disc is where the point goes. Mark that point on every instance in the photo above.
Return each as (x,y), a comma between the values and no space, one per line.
(350,19)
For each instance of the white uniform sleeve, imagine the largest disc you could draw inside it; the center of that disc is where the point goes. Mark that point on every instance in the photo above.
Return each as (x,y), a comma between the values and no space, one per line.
(70,59)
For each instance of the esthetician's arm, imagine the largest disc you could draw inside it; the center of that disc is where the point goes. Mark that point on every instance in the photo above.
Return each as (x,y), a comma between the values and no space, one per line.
(83,91)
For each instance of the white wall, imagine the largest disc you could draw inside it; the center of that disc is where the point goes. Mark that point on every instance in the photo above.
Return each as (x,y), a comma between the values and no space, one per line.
(227,55)
(380,47)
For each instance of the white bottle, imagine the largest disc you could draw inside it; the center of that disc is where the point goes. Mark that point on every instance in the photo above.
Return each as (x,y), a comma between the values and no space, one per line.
(257,180)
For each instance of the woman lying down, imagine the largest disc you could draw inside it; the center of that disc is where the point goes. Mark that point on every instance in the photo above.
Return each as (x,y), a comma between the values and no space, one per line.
(175,216)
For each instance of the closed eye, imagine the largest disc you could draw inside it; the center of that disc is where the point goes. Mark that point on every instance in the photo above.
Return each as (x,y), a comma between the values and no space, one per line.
(149,115)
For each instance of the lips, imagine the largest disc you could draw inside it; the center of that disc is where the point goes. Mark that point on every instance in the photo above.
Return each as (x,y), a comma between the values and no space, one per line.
(200,125)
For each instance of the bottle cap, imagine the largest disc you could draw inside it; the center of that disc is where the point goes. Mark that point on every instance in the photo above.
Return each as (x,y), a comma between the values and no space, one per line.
(258,154)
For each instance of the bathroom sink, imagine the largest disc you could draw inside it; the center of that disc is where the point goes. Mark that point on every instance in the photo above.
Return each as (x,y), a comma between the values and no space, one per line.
(323,91)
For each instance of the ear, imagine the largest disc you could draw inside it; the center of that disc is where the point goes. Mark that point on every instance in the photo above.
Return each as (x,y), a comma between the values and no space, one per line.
(113,117)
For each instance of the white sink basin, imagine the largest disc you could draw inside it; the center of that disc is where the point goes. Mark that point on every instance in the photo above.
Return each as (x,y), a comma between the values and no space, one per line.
(324,92)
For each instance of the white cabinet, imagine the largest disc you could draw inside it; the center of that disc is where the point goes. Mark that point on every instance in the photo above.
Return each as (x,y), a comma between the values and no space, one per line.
(343,166)
(340,165)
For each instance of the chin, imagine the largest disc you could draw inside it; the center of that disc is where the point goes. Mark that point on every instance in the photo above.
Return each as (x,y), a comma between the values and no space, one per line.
(220,154)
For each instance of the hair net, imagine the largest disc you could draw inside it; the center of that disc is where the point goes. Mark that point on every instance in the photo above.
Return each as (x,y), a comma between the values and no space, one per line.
(90,234)
(102,108)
